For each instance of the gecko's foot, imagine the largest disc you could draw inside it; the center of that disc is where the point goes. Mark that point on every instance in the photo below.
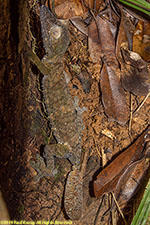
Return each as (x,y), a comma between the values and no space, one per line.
(53,164)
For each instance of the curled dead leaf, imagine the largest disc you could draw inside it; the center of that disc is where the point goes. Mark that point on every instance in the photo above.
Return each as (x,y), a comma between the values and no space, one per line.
(135,74)
(131,181)
(79,23)
(125,34)
(111,177)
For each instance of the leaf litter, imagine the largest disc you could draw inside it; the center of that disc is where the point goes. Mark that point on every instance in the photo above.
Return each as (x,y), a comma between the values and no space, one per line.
(85,64)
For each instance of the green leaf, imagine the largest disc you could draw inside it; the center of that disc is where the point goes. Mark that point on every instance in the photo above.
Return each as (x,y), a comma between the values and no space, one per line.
(143,209)
(140,5)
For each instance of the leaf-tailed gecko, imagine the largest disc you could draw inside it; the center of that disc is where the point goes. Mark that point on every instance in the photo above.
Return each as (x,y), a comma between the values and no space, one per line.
(64,113)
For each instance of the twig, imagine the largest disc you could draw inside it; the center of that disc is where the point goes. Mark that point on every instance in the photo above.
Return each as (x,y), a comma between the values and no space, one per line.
(98,211)
(118,207)
(131,115)
(141,104)
(104,160)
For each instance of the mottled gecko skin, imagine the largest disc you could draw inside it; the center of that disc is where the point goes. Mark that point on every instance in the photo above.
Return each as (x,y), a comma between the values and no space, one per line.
(65,121)
(55,35)
(64,114)
(65,117)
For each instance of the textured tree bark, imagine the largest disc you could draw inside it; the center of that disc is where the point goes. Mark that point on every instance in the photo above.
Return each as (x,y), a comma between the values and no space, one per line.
(12,134)
(19,114)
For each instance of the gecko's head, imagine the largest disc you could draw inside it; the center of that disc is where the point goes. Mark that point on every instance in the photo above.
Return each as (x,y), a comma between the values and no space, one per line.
(55,34)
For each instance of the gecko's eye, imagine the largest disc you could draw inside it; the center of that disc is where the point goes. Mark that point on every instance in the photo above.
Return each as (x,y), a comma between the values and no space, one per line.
(55,32)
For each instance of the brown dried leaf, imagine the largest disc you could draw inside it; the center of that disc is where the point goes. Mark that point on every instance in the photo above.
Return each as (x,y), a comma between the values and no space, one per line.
(134,175)
(141,40)
(79,23)
(134,70)
(131,181)
(135,73)
(113,95)
(68,8)
(125,34)
(94,45)
(121,37)
(109,177)
(106,38)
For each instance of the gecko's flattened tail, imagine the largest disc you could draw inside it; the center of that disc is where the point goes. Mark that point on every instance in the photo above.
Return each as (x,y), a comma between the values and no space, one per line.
(73,198)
